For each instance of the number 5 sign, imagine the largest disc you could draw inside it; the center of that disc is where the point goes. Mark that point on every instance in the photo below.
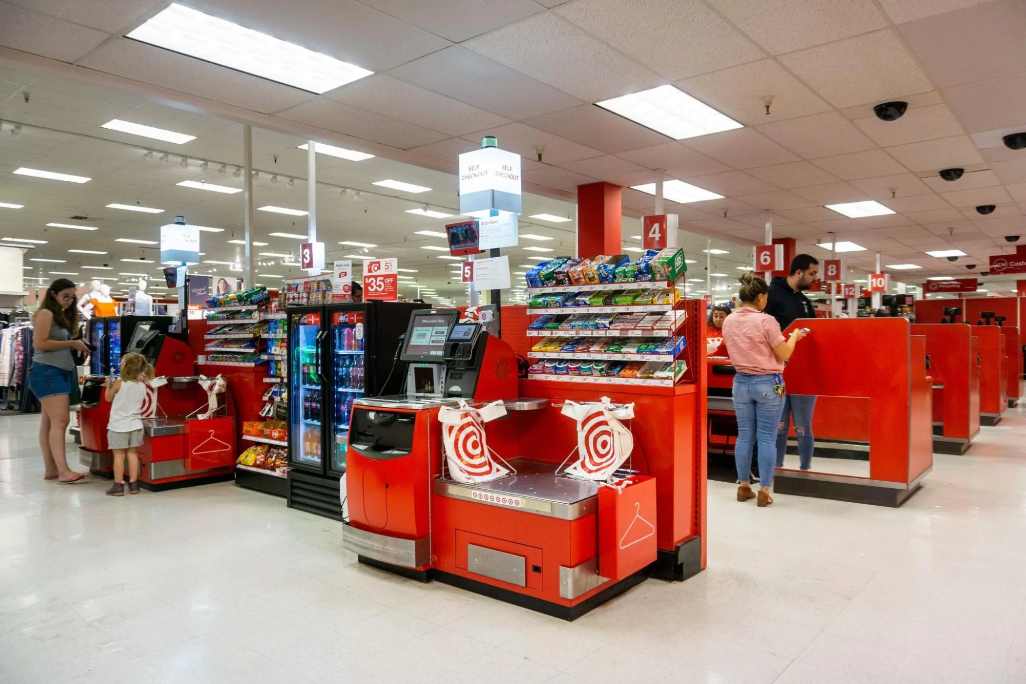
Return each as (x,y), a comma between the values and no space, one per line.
(878,282)
(769,258)
(831,269)
(381,279)
(467,272)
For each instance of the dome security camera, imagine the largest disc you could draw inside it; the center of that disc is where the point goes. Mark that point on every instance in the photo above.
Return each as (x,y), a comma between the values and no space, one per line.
(952,259)
(970,266)
(984,273)
(951,174)
(890,111)
(1011,238)
(986,209)
(1015,141)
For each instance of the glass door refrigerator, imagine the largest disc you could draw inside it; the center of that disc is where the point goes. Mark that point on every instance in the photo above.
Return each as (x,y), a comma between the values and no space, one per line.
(306,390)
(97,338)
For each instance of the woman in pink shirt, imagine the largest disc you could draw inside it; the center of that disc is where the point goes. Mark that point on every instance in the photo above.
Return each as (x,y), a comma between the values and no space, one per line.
(758,351)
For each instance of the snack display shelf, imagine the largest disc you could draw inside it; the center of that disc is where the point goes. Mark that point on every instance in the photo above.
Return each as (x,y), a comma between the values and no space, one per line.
(634,285)
(602,380)
(232,336)
(230,350)
(265,440)
(586,356)
(261,471)
(274,337)
(610,332)
(236,364)
(237,307)
(273,316)
(624,308)
(273,357)
(275,379)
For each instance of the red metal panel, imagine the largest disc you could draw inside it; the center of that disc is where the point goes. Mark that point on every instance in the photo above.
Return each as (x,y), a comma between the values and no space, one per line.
(626,528)
(920,440)
(598,219)
(993,399)
(209,443)
(957,403)
(1001,306)
(1014,361)
(932,310)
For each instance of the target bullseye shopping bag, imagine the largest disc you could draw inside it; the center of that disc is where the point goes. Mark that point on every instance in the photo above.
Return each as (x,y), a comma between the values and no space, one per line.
(467,454)
(603,443)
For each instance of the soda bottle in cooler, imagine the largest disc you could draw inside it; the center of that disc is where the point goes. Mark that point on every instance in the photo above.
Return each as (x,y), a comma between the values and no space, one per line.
(348,339)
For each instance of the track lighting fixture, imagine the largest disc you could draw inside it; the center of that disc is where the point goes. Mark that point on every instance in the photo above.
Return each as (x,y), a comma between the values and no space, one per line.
(184,163)
(148,155)
(292,181)
(274,178)
(343,192)
(238,172)
(164,157)
(203,166)
(223,170)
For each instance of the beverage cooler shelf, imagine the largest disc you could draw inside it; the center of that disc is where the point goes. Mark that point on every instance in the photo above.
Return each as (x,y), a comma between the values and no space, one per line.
(275,379)
(339,352)
(359,390)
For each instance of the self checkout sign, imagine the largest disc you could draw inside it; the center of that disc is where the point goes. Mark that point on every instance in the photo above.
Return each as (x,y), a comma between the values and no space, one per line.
(381,279)
(831,269)
(769,258)
(659,232)
(878,282)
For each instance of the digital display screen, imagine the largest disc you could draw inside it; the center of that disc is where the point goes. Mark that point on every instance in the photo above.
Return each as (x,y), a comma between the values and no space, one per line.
(427,334)
(463,332)
(424,380)
(463,237)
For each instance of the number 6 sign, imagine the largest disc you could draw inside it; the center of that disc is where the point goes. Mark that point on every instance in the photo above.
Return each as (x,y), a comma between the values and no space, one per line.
(769,258)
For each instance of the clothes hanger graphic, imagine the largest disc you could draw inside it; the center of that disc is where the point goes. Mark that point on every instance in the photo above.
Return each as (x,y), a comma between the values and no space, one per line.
(645,527)
(208,440)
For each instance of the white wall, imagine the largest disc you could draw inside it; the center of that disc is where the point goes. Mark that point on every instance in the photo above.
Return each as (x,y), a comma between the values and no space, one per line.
(11,271)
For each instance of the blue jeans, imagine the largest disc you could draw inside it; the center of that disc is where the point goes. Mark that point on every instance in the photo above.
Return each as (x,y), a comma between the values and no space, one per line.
(47,381)
(757,408)
(799,407)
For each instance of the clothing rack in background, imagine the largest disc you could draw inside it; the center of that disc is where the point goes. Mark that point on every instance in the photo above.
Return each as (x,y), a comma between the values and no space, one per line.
(15,357)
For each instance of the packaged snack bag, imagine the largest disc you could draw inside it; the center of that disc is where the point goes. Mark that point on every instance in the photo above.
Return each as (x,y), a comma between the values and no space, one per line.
(573,368)
(576,272)
(607,269)
(541,321)
(562,274)
(626,298)
(533,275)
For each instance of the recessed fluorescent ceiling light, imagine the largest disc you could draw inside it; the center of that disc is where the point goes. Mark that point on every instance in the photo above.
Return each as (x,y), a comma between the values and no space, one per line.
(295,236)
(405,277)
(220,263)
(72,227)
(147,131)
(37,242)
(841,246)
(358,256)
(356,244)
(537,249)
(188,32)
(744,268)
(7,205)
(942,278)
(407,270)
(399,185)
(62,273)
(101,268)
(551,218)
(275,254)
(670,111)
(136,207)
(137,242)
(340,152)
(903,267)
(679,192)
(271,275)
(198,185)
(544,258)
(718,275)
(435,248)
(451,257)
(531,236)
(284,210)
(51,261)
(633,249)
(50,175)
(427,212)
(430,233)
(141,275)
(242,242)
(860,209)
(85,251)
(715,251)
(139,261)
(944,253)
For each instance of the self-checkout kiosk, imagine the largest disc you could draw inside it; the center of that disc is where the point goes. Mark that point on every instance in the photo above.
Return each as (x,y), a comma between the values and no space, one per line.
(533,536)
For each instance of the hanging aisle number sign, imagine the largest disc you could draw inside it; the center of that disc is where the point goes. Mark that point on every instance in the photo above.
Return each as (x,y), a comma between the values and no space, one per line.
(831,269)
(769,258)
(878,282)
(467,272)
(659,232)
(381,279)
(848,290)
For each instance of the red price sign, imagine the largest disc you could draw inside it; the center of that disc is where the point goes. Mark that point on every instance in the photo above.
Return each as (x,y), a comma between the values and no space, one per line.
(878,282)
(467,272)
(848,290)
(654,232)
(381,279)
(831,269)
(769,258)
(306,255)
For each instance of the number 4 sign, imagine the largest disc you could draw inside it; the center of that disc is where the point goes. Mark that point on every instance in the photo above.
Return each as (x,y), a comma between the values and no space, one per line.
(659,232)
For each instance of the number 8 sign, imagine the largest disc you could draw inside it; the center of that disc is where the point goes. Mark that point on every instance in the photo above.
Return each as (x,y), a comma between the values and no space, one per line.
(831,269)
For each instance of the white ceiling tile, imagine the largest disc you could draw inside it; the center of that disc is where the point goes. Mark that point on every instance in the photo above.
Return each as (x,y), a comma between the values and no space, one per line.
(545,46)
(555,177)
(449,150)
(903,232)
(524,140)
(728,205)
(976,197)
(359,123)
(458,20)
(1011,171)
(612,169)
(916,203)
(948,228)
(109,16)
(885,70)
(642,29)
(148,64)
(404,101)
(918,124)
(776,201)
(869,164)
(787,25)
(819,135)
(677,159)
(731,183)
(973,44)
(996,154)
(41,34)
(1017,191)
(597,127)
(743,148)
(905,184)
(832,193)
(758,218)
(809,214)
(469,77)
(724,225)
(934,216)
(738,93)
(937,154)
(977,179)
(998,103)
(793,175)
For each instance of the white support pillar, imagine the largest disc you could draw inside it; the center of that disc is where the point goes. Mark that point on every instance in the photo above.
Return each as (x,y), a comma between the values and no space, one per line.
(878,296)
(659,192)
(835,298)
(768,239)
(247,209)
(708,267)
(311,191)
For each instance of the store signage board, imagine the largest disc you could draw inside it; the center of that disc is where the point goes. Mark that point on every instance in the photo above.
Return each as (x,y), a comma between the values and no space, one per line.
(848,290)
(381,280)
(489,179)
(878,282)
(491,274)
(463,238)
(467,272)
(769,258)
(499,231)
(180,243)
(342,280)
(311,256)
(831,269)
(659,231)
(958,285)
(1002,264)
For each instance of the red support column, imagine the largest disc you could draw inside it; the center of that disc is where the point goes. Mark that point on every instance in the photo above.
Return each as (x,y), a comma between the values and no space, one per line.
(598,219)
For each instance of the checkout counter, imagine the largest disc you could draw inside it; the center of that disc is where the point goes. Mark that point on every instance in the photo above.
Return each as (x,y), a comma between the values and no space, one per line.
(533,537)
(179,449)
(954,365)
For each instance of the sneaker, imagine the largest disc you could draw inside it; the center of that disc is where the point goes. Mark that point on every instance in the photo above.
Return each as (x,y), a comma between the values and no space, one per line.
(116,489)
(755,478)
(133,487)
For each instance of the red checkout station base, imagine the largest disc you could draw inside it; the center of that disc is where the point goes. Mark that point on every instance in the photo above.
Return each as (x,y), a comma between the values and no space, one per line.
(534,538)
(177,451)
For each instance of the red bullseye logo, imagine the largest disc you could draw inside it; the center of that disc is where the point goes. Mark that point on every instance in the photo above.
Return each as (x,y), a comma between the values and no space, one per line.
(468,440)
(599,450)
(149,406)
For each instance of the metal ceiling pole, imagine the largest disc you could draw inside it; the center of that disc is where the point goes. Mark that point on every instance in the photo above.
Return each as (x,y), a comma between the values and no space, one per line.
(247,201)
(835,300)
(311,191)
(878,296)
(708,267)
(659,192)
(768,240)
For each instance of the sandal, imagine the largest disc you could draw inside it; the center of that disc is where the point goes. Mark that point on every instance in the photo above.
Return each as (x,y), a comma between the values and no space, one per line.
(764,499)
(75,480)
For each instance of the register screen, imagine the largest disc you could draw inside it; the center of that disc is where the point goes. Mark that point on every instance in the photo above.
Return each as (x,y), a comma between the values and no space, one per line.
(427,335)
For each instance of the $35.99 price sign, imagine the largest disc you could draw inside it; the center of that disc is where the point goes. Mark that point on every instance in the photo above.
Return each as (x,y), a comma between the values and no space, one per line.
(381,280)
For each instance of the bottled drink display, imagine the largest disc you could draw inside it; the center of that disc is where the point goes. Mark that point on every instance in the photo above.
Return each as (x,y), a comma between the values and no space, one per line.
(114,342)
(306,394)
(348,377)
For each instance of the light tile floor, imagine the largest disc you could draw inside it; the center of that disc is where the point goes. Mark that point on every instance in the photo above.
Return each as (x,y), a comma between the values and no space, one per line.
(219,584)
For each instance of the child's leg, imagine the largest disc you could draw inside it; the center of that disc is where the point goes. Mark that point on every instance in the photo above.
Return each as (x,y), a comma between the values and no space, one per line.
(119,465)
(133,464)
